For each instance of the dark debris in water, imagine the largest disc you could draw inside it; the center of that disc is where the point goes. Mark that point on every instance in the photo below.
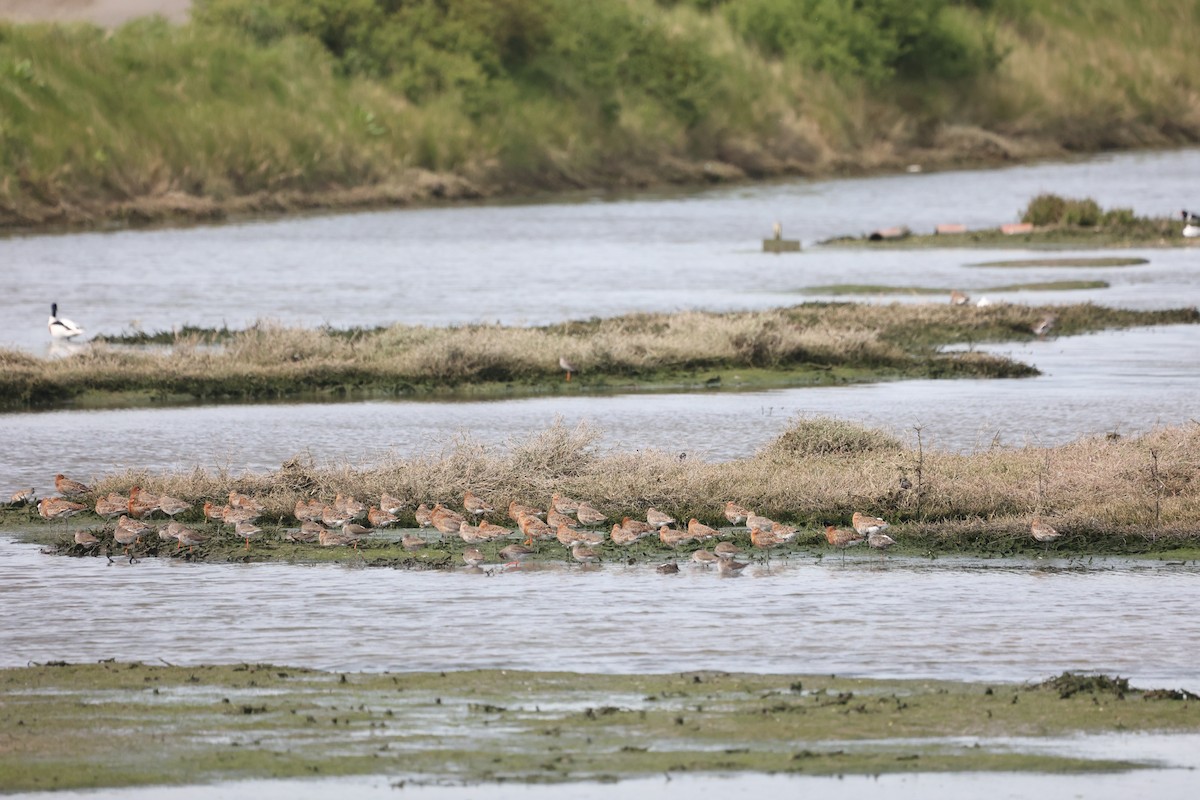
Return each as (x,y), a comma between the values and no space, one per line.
(1070,684)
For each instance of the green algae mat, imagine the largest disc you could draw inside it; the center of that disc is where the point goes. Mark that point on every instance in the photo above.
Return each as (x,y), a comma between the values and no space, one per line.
(124,724)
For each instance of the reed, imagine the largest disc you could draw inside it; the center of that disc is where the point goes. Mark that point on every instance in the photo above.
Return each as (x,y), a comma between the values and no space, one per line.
(802,344)
(1106,493)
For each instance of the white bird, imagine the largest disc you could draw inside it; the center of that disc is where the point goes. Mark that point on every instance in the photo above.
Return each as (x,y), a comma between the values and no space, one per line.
(61,327)
(1191,229)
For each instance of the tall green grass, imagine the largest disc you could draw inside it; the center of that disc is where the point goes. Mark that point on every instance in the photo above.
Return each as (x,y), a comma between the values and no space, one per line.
(293,101)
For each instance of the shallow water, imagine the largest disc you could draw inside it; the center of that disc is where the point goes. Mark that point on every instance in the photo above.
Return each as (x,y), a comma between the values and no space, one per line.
(1123,381)
(585,256)
(998,620)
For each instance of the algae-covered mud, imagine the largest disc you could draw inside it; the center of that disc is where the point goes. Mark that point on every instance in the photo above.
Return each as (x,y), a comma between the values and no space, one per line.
(125,724)
(813,344)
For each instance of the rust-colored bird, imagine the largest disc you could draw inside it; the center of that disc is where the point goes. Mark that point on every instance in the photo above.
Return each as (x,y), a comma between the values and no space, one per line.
(445,520)
(841,538)
(141,504)
(51,508)
(515,510)
(622,535)
(563,505)
(534,528)
(69,488)
(958,298)
(673,538)
(698,530)
(736,514)
(378,518)
(309,511)
(554,518)
(424,516)
(112,506)
(492,532)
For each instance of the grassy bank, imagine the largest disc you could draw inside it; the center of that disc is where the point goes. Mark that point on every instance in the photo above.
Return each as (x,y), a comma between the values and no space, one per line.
(811,344)
(1108,495)
(82,726)
(274,105)
(1056,222)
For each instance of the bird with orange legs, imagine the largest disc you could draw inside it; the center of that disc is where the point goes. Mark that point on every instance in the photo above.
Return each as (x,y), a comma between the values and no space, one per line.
(534,528)
(248,531)
(1043,532)
(841,538)
(214,513)
(567,366)
(69,488)
(514,554)
(355,532)
(191,538)
(476,505)
(515,510)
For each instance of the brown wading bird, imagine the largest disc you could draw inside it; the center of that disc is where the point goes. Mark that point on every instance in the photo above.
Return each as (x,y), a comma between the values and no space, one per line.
(112,506)
(390,504)
(554,518)
(515,553)
(445,520)
(534,528)
(309,511)
(248,531)
(309,532)
(669,568)
(867,525)
(755,522)
(86,540)
(657,519)
(726,550)
(730,568)
(622,535)
(355,532)
(379,518)
(673,538)
(566,365)
(698,530)
(69,488)
(1044,326)
(958,298)
(588,516)
(841,539)
(141,504)
(214,513)
(172,506)
(704,557)
(473,556)
(638,528)
(736,514)
(515,510)
(22,497)
(474,504)
(191,538)
(424,516)
(51,508)
(129,531)
(585,555)
(563,505)
(1043,532)
(880,541)
(410,542)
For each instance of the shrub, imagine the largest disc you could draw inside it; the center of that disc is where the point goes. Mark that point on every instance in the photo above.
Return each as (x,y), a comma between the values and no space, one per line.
(825,437)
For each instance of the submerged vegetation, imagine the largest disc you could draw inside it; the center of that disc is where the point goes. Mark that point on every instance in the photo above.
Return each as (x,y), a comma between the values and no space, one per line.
(1105,495)
(86,725)
(263,105)
(810,344)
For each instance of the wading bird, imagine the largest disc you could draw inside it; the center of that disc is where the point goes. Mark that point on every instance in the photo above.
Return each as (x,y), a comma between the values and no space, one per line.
(61,327)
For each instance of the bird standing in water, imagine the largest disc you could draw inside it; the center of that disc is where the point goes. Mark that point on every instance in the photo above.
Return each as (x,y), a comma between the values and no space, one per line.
(61,327)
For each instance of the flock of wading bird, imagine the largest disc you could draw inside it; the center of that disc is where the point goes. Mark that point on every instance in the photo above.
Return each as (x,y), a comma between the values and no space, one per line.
(334,524)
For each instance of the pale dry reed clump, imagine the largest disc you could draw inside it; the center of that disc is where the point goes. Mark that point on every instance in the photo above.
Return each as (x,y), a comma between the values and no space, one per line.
(816,471)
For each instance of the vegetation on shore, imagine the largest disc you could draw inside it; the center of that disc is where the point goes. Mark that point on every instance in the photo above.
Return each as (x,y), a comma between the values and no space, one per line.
(268,105)
(867,288)
(1105,495)
(1057,222)
(809,344)
(76,726)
